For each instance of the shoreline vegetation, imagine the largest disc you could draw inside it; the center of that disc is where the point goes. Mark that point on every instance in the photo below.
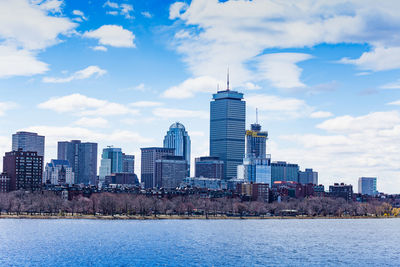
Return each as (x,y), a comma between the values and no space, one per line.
(106,205)
(180,217)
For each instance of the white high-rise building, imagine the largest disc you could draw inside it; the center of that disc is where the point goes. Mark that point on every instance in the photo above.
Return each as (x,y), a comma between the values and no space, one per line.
(58,172)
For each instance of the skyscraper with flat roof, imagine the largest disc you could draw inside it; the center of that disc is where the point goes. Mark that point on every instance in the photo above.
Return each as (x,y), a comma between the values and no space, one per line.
(82,158)
(227,129)
(367,186)
(178,138)
(149,157)
(28,141)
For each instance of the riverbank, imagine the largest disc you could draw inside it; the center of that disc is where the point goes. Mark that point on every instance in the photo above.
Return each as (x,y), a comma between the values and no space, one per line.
(180,217)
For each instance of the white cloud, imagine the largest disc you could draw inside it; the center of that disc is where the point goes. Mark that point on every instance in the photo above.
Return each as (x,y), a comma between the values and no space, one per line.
(238,33)
(146,14)
(29,26)
(97,122)
(353,146)
(19,62)
(79,75)
(81,105)
(189,87)
(80,14)
(146,104)
(251,86)
(372,122)
(394,103)
(281,69)
(180,113)
(26,28)
(379,59)
(125,10)
(5,106)
(100,48)
(321,114)
(392,85)
(112,35)
(279,107)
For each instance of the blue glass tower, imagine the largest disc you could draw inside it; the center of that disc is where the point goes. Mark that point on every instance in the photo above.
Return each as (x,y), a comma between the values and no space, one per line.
(227,129)
(178,138)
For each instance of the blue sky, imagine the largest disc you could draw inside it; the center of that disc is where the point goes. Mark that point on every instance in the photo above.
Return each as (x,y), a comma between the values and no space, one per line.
(324,75)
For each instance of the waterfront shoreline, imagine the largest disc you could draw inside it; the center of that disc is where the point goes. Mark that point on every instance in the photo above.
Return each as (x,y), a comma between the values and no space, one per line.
(183,217)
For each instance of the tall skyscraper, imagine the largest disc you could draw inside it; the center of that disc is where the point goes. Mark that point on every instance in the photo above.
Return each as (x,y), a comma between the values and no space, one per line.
(256,141)
(148,169)
(82,158)
(25,169)
(367,186)
(227,129)
(178,138)
(111,162)
(28,141)
(128,163)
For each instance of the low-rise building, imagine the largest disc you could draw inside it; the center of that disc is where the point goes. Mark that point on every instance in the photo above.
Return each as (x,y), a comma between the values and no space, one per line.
(341,191)
(205,183)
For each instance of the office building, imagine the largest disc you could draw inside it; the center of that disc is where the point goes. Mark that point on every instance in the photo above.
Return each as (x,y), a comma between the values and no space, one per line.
(367,186)
(111,162)
(25,169)
(209,167)
(308,177)
(285,172)
(255,170)
(121,179)
(254,191)
(28,141)
(256,141)
(128,163)
(4,183)
(227,129)
(148,164)
(341,191)
(170,171)
(82,158)
(58,172)
(178,138)
(205,183)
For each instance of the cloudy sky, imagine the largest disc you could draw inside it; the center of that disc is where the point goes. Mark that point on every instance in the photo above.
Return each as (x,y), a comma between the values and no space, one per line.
(325,76)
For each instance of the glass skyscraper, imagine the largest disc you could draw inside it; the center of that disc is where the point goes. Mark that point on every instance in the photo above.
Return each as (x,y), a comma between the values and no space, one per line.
(178,138)
(111,162)
(28,141)
(83,159)
(227,129)
(256,141)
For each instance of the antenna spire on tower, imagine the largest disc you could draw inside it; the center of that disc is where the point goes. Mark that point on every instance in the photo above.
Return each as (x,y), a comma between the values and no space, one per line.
(257,115)
(227,80)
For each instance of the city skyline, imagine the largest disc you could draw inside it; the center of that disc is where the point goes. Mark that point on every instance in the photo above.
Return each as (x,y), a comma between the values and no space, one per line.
(121,72)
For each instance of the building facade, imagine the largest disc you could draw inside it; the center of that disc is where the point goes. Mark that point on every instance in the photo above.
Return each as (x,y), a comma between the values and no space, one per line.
(4,183)
(308,177)
(111,162)
(285,172)
(28,141)
(58,172)
(205,183)
(170,171)
(256,141)
(227,129)
(148,163)
(341,191)
(178,138)
(128,163)
(122,179)
(82,158)
(367,186)
(209,167)
(25,169)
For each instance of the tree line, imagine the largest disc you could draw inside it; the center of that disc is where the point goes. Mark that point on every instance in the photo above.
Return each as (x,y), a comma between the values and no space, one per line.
(112,204)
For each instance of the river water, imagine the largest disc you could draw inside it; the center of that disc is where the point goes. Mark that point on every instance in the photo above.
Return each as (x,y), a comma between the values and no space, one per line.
(292,242)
